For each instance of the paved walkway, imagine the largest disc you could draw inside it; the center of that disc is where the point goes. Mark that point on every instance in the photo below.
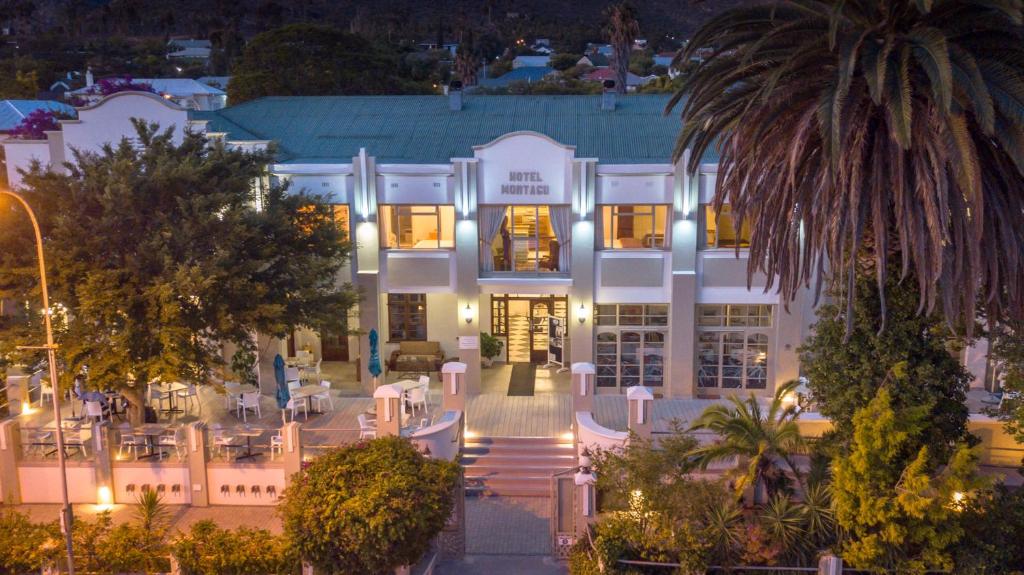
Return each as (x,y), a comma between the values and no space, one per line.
(508,526)
(503,565)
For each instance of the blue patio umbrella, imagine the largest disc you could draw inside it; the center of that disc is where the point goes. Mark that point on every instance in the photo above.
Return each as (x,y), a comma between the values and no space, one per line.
(374,363)
(282,387)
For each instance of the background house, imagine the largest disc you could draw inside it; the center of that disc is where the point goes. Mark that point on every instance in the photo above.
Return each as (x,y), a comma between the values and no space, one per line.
(530,61)
(527,74)
(185,92)
(12,112)
(189,49)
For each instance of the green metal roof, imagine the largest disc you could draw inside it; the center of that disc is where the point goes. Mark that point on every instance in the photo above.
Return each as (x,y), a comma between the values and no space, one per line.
(422,130)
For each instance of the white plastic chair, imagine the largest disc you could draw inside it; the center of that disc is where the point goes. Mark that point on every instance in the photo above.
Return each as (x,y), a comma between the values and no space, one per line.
(232,391)
(190,395)
(296,404)
(173,438)
(367,429)
(45,389)
(291,374)
(294,384)
(159,396)
(128,441)
(325,396)
(418,398)
(73,438)
(276,445)
(249,401)
(221,440)
(96,409)
(304,357)
(424,380)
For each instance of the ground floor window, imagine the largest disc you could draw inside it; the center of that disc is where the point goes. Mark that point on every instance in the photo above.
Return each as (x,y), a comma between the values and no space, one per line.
(629,346)
(407,317)
(732,346)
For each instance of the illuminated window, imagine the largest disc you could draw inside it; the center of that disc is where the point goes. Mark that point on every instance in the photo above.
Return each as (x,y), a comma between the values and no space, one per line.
(732,346)
(629,344)
(407,317)
(341,220)
(634,227)
(720,233)
(417,227)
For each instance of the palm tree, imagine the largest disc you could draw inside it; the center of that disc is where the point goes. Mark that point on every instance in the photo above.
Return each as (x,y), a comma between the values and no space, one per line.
(622,30)
(858,129)
(761,439)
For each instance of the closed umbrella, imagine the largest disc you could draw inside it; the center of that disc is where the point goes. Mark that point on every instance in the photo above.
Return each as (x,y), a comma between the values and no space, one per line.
(374,364)
(282,387)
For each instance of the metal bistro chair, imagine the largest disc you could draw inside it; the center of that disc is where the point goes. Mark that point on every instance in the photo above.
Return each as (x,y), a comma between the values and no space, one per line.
(276,446)
(174,437)
(95,410)
(190,395)
(221,440)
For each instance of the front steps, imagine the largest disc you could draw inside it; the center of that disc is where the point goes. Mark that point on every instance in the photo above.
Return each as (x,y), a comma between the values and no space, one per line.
(515,466)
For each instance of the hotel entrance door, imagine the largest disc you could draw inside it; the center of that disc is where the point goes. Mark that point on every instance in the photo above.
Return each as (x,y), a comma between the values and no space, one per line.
(523,321)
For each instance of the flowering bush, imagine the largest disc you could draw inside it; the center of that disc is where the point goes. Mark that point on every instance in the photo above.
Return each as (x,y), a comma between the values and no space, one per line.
(109,86)
(35,125)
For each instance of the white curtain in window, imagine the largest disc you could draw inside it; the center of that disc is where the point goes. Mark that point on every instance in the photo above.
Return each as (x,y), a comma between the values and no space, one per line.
(561,223)
(490,224)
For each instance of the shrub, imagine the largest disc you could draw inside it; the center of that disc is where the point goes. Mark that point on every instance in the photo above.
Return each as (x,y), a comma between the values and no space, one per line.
(490,346)
(209,550)
(25,546)
(370,507)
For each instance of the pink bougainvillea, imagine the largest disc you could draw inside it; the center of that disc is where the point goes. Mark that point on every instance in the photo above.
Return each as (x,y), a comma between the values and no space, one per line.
(109,86)
(34,125)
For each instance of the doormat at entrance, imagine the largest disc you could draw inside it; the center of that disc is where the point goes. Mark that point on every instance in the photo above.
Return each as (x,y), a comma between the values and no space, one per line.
(524,375)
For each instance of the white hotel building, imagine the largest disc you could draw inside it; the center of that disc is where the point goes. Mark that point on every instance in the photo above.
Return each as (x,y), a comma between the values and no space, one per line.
(494,213)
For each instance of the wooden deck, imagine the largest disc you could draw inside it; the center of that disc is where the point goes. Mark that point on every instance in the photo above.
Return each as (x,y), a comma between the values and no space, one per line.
(611,411)
(492,414)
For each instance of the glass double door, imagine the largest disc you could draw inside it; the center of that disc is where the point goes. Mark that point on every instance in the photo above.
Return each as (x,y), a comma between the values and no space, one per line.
(523,320)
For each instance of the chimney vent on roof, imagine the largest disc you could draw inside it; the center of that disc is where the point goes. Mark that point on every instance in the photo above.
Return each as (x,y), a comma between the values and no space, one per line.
(608,96)
(455,95)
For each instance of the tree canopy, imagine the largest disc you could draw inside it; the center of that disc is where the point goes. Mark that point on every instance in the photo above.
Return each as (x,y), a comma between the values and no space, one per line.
(910,358)
(158,255)
(369,507)
(315,60)
(878,130)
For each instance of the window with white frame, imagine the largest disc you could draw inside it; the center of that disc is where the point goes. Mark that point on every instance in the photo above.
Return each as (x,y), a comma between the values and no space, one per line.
(732,345)
(417,227)
(629,344)
(719,230)
(634,226)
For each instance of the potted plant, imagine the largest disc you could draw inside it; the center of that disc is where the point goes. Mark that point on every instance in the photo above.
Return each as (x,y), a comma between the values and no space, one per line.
(490,348)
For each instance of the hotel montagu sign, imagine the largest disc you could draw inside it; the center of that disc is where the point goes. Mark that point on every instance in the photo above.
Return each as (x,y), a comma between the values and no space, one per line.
(524,168)
(525,184)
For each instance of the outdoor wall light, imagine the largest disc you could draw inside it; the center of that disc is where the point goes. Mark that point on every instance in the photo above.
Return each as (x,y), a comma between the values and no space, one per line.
(581,315)
(467,314)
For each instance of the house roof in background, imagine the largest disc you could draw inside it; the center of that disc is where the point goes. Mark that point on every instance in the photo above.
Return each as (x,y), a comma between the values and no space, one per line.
(532,61)
(423,130)
(602,74)
(173,86)
(597,59)
(219,82)
(525,73)
(12,112)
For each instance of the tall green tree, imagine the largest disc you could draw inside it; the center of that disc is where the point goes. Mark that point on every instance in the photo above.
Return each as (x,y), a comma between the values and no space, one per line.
(315,60)
(854,126)
(850,357)
(1007,350)
(622,29)
(897,509)
(764,441)
(158,256)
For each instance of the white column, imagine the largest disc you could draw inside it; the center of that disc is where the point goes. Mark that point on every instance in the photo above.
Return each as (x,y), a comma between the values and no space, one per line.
(640,401)
(583,377)
(389,409)
(453,386)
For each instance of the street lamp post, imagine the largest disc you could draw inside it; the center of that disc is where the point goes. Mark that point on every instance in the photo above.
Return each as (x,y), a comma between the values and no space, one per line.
(51,348)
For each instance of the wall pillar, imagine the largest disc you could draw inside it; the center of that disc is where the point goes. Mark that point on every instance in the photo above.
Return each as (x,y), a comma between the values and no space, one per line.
(198,457)
(453,386)
(10,445)
(830,565)
(366,259)
(580,324)
(583,378)
(102,441)
(680,369)
(291,433)
(586,498)
(389,409)
(467,266)
(640,401)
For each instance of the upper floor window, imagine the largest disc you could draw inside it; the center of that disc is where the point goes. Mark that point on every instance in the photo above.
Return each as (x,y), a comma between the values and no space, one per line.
(634,226)
(525,238)
(417,227)
(341,220)
(720,232)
